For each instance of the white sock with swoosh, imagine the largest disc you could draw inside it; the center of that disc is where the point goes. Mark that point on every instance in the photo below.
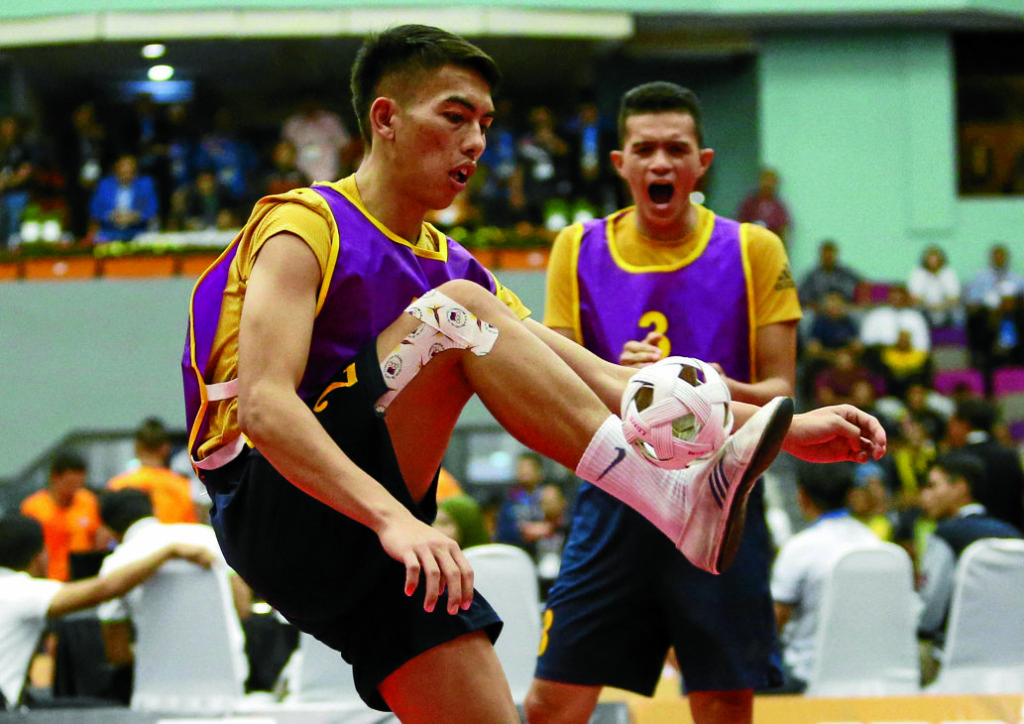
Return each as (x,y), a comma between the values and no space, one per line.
(611,463)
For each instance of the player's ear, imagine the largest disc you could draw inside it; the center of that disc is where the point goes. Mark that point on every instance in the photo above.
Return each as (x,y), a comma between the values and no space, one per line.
(706,156)
(382,118)
(617,159)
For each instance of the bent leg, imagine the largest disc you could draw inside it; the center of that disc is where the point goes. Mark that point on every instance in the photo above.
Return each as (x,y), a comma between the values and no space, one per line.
(551,702)
(460,681)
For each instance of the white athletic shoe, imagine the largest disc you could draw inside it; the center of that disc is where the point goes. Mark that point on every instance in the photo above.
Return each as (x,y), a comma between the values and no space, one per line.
(716,494)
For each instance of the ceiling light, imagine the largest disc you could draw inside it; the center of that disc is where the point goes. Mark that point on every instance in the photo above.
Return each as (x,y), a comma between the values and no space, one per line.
(161,72)
(153,50)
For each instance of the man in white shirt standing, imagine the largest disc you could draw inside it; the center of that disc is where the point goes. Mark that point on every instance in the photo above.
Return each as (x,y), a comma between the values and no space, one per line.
(28,599)
(805,561)
(128,513)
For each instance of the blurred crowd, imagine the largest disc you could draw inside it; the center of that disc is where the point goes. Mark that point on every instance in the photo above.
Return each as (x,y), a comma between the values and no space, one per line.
(107,173)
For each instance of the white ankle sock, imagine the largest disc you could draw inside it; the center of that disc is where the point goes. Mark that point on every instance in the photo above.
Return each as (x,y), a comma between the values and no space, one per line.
(612,464)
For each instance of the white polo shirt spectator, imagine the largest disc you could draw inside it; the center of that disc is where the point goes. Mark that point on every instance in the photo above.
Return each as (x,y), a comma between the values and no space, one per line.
(24,602)
(798,580)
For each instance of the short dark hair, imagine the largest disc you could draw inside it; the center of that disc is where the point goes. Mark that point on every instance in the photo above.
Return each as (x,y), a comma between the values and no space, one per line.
(65,460)
(660,97)
(962,464)
(152,435)
(827,485)
(21,539)
(119,509)
(410,48)
(979,414)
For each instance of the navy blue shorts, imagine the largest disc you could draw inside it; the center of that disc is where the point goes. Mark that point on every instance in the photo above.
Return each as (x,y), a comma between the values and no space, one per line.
(324,572)
(625,594)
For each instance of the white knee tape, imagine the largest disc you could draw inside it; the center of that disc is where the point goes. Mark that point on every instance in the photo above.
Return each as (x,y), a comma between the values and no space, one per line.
(445,324)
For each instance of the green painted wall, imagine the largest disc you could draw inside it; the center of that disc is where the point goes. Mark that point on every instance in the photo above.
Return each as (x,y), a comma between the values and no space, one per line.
(862,128)
(102,355)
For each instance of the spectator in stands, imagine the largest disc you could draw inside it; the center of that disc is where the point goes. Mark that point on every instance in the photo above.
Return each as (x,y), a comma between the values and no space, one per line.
(590,143)
(990,285)
(325,148)
(128,513)
(181,148)
(764,206)
(935,289)
(834,385)
(124,205)
(284,173)
(501,191)
(805,560)
(833,328)
(17,163)
(829,276)
(202,204)
(85,155)
(950,498)
(230,156)
(920,410)
(27,603)
(544,165)
(868,499)
(881,326)
(68,512)
(521,519)
(902,365)
(1001,488)
(911,454)
(170,492)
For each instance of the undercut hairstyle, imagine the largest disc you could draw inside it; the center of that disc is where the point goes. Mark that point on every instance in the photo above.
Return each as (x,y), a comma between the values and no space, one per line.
(65,460)
(152,435)
(961,464)
(21,539)
(660,97)
(827,485)
(410,49)
(120,509)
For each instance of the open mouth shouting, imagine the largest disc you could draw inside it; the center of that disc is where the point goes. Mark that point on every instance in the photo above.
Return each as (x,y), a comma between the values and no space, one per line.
(461,174)
(661,193)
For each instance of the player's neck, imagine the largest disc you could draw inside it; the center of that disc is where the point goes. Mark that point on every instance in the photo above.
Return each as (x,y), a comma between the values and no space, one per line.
(382,197)
(669,232)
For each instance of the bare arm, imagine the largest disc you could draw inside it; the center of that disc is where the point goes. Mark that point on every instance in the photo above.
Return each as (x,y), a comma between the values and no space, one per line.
(91,592)
(776,365)
(273,346)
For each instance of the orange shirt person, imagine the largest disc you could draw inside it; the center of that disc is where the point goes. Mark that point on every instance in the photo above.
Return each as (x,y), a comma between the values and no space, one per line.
(169,492)
(67,511)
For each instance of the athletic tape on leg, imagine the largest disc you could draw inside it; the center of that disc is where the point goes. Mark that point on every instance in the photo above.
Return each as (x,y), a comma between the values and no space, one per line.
(446,324)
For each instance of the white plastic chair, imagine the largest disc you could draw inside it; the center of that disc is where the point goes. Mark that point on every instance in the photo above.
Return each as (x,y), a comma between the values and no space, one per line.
(320,674)
(507,577)
(984,652)
(187,646)
(866,642)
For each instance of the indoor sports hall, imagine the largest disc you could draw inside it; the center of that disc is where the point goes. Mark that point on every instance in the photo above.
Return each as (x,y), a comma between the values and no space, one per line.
(877,148)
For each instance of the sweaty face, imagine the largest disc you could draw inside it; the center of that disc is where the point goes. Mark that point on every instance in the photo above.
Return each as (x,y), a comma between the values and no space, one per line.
(662,162)
(440,128)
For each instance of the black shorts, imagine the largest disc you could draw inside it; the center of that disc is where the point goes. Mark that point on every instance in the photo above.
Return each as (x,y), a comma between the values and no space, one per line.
(324,572)
(624,594)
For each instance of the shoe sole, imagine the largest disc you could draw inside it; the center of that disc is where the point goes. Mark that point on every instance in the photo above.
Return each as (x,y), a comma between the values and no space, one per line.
(767,450)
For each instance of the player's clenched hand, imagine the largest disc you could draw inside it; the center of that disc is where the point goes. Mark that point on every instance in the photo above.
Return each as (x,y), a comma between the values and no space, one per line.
(835,434)
(425,550)
(641,354)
